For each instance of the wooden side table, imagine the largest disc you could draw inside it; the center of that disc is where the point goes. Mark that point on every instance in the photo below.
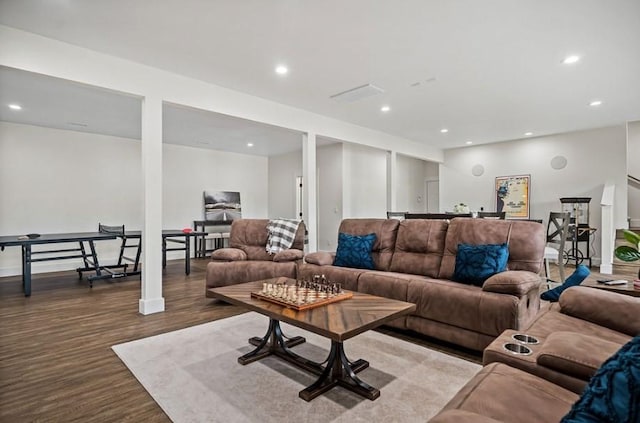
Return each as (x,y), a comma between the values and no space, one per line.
(627,289)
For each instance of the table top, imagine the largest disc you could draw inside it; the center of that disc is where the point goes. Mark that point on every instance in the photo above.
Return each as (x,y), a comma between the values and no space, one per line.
(7,241)
(627,289)
(12,240)
(337,321)
(166,233)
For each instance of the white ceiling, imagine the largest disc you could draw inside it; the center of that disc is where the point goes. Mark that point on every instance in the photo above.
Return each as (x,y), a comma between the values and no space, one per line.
(488,70)
(57,103)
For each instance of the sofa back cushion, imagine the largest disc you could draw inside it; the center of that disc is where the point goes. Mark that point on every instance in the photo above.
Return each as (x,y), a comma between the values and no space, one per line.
(419,247)
(250,236)
(526,242)
(386,231)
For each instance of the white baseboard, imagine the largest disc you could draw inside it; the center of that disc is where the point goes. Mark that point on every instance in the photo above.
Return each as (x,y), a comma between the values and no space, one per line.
(154,305)
(606,269)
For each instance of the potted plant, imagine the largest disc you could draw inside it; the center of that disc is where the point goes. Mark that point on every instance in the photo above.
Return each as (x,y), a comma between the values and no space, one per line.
(628,253)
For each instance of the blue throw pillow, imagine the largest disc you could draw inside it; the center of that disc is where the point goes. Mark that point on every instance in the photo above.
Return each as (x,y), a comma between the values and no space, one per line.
(476,263)
(355,251)
(613,393)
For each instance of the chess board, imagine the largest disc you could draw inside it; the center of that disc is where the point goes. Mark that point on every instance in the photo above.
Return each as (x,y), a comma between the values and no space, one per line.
(304,305)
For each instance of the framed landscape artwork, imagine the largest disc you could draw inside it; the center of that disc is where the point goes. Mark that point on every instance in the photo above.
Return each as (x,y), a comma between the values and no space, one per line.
(512,195)
(222,206)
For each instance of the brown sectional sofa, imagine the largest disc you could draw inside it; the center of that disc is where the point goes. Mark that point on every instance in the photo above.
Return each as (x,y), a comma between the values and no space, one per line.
(415,261)
(576,336)
(247,260)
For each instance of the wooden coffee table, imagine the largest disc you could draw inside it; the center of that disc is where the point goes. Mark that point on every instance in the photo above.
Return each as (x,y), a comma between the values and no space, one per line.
(337,321)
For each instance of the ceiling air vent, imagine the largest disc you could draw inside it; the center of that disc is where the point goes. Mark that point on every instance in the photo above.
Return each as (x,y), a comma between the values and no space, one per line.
(357,93)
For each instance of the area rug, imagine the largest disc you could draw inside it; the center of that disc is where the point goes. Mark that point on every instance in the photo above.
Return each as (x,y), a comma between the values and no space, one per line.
(194,376)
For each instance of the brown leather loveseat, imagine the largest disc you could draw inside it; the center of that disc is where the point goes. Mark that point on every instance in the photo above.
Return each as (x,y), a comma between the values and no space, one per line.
(247,260)
(415,261)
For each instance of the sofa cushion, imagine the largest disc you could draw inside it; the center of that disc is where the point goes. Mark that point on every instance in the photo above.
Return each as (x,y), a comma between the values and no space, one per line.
(386,231)
(513,282)
(609,309)
(575,354)
(321,258)
(355,251)
(477,263)
(419,247)
(464,306)
(290,254)
(506,394)
(235,272)
(613,393)
(228,254)
(526,242)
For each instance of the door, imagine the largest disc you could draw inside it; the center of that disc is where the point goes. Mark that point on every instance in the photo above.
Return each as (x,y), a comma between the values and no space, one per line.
(432,196)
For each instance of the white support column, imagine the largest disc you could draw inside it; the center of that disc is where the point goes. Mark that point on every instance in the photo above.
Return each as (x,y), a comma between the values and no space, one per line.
(392,178)
(310,203)
(151,300)
(608,234)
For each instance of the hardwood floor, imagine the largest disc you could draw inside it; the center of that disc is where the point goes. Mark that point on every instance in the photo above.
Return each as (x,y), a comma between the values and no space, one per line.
(56,364)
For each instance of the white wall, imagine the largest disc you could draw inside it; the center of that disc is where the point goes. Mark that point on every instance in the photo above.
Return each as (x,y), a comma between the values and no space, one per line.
(188,172)
(410,184)
(633,169)
(283,170)
(55,181)
(330,181)
(594,157)
(365,181)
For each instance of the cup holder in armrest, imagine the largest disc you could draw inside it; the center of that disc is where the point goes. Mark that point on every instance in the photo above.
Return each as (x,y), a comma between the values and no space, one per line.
(517,349)
(525,339)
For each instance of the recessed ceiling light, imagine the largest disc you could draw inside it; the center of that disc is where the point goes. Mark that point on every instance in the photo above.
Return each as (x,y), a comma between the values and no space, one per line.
(595,103)
(15,107)
(385,108)
(249,144)
(527,134)
(444,130)
(281,70)
(469,142)
(569,60)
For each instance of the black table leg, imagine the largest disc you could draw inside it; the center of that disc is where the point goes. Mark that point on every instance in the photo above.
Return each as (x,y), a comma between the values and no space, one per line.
(339,371)
(96,264)
(164,252)
(187,254)
(26,269)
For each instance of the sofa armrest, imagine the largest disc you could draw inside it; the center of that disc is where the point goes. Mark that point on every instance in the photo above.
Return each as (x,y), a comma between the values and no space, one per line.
(575,354)
(514,282)
(228,254)
(291,254)
(321,258)
(461,416)
(612,310)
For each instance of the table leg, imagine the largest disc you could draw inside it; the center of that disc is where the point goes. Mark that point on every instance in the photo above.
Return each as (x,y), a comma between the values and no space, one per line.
(26,269)
(339,371)
(94,256)
(274,342)
(164,252)
(187,254)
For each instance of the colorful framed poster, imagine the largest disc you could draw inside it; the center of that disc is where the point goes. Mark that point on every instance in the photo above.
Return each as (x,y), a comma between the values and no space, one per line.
(512,195)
